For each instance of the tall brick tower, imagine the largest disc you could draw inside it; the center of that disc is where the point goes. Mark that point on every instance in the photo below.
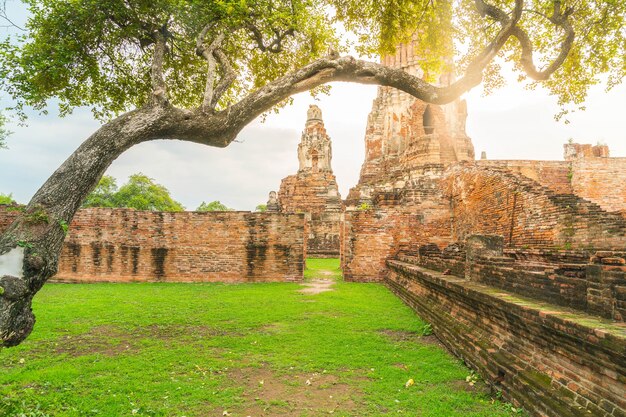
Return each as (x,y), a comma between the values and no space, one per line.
(314,150)
(404,133)
(313,190)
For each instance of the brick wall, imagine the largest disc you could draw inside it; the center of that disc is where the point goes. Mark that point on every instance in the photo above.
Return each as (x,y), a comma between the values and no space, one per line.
(601,180)
(370,237)
(597,179)
(128,245)
(555,175)
(552,361)
(498,201)
(593,283)
(315,194)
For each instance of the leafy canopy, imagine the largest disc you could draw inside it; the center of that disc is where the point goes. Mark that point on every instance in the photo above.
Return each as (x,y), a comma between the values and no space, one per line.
(213,206)
(140,193)
(4,132)
(99,54)
(6,199)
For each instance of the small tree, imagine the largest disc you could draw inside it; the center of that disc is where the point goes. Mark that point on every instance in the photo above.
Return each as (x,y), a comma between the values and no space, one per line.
(104,193)
(213,206)
(142,193)
(6,199)
(261,207)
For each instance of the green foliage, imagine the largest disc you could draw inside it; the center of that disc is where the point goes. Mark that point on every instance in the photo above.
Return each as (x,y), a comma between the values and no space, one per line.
(37,216)
(64,226)
(140,193)
(197,349)
(213,206)
(99,54)
(4,133)
(364,207)
(261,207)
(24,244)
(6,199)
(104,193)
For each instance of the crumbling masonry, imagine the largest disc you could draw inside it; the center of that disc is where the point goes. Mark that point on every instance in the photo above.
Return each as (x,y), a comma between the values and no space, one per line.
(313,190)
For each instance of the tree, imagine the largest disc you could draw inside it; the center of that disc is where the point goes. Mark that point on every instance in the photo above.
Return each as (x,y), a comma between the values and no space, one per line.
(6,199)
(4,133)
(213,206)
(261,207)
(140,193)
(201,71)
(104,193)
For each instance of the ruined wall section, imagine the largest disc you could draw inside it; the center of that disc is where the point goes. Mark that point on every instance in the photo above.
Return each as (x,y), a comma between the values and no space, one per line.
(501,202)
(550,360)
(601,180)
(555,175)
(119,245)
(410,213)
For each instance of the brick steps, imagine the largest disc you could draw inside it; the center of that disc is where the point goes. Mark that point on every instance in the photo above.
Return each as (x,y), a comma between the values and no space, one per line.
(554,361)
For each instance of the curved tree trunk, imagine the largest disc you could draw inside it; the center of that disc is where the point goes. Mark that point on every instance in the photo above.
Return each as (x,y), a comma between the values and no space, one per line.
(30,247)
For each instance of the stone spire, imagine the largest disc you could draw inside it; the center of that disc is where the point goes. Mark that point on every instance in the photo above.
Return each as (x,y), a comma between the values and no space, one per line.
(313,189)
(314,150)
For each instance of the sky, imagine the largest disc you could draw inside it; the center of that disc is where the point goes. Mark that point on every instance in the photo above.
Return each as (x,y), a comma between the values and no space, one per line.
(511,123)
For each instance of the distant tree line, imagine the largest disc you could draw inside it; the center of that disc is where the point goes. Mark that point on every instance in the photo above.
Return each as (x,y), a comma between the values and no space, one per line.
(140,193)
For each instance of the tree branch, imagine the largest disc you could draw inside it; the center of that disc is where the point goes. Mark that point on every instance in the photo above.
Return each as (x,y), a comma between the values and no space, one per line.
(507,28)
(349,69)
(276,45)
(208,55)
(228,77)
(4,16)
(159,89)
(559,19)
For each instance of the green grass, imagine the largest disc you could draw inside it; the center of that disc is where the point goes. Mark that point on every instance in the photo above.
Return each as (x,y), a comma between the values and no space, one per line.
(202,349)
(322,268)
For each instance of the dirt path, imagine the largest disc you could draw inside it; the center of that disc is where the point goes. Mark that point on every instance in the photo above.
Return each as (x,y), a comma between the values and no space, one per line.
(317,286)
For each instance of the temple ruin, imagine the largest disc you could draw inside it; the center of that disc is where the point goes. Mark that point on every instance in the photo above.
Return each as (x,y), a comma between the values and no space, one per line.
(519,266)
(313,189)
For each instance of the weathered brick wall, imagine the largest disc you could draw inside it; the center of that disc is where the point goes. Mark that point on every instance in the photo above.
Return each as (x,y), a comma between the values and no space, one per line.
(555,175)
(370,237)
(552,361)
(497,201)
(594,283)
(316,195)
(400,217)
(128,245)
(601,180)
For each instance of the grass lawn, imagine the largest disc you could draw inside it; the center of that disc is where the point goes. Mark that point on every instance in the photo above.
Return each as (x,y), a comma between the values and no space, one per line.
(239,350)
